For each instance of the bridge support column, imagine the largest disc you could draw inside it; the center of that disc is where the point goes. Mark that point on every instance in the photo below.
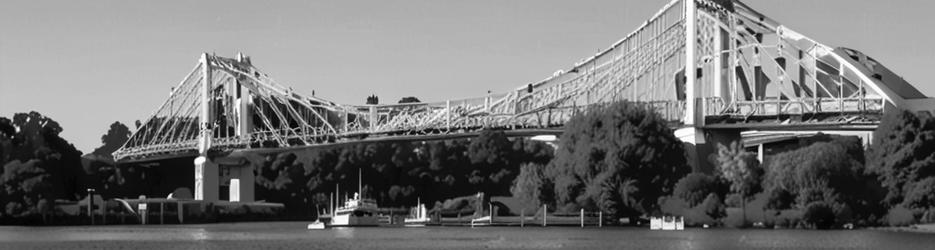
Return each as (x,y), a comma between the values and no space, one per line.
(242,180)
(206,179)
(701,145)
(206,171)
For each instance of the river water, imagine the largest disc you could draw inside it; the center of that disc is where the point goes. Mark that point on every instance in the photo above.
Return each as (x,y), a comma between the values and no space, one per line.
(293,235)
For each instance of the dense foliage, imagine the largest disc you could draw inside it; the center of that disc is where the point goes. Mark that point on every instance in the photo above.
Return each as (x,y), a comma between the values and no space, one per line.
(38,167)
(823,175)
(619,159)
(903,155)
(396,174)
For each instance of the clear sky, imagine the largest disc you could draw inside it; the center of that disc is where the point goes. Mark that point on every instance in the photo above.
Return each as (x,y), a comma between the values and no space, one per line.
(87,64)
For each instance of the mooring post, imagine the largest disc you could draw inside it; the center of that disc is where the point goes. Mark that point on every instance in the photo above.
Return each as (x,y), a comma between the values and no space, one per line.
(162,213)
(522,218)
(180,211)
(91,204)
(544,215)
(600,218)
(582,217)
(490,204)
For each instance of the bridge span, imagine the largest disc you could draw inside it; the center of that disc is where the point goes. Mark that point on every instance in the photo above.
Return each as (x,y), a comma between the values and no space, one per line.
(717,70)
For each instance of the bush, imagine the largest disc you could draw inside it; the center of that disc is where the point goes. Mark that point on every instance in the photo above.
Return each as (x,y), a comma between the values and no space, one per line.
(921,195)
(787,218)
(819,215)
(695,187)
(712,207)
(823,172)
(900,216)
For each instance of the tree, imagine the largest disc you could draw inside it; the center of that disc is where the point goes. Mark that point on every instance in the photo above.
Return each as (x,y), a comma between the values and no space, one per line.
(620,158)
(373,100)
(822,172)
(741,169)
(409,99)
(903,152)
(490,153)
(531,185)
(25,186)
(116,136)
(38,166)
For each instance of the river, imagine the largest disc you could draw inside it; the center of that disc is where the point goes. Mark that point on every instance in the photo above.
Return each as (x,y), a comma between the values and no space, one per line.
(293,235)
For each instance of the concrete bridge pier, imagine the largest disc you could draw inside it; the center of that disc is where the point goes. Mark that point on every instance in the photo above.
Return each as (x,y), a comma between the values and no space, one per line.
(701,145)
(206,179)
(234,175)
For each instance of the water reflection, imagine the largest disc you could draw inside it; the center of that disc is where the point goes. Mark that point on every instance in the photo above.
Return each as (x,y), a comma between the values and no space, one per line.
(198,234)
(344,232)
(290,235)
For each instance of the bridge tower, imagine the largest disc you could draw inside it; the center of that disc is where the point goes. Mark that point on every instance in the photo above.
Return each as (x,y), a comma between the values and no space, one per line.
(206,170)
(213,172)
(702,141)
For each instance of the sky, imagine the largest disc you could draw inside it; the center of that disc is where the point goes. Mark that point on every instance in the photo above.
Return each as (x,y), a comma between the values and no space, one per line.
(87,64)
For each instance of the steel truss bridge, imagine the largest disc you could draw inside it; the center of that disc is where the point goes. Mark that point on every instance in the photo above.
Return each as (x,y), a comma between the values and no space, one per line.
(744,71)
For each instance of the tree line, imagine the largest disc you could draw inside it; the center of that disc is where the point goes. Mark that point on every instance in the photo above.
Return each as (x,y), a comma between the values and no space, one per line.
(624,161)
(397,174)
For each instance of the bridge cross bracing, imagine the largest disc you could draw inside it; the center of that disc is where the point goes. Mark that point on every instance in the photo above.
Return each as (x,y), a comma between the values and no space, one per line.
(744,70)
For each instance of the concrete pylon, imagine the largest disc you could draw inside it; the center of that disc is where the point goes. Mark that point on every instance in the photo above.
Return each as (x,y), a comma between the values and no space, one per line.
(206,179)
(700,144)
(206,171)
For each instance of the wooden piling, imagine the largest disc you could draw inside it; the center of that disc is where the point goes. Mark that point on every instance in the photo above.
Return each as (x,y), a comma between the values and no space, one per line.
(582,217)
(181,211)
(544,215)
(522,218)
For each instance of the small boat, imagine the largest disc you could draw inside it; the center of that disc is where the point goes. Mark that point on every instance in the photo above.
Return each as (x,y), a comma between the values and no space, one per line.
(417,216)
(316,225)
(667,223)
(482,221)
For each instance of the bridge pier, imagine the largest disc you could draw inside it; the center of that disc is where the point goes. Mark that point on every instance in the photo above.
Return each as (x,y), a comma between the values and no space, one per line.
(206,179)
(701,145)
(234,173)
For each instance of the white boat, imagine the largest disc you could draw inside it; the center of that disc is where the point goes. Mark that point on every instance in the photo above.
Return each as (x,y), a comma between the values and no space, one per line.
(356,212)
(417,216)
(482,221)
(316,225)
(667,223)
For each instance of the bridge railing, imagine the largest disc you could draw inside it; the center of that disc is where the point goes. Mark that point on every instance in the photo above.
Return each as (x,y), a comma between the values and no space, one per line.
(860,105)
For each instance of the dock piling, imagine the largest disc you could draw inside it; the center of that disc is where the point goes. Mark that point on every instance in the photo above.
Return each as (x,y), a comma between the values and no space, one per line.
(600,218)
(162,213)
(544,215)
(522,218)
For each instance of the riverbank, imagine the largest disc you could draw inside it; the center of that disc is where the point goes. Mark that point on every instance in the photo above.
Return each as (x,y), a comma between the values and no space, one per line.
(294,235)
(920,228)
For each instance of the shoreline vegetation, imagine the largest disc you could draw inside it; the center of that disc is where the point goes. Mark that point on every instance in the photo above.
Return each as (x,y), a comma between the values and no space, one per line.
(621,161)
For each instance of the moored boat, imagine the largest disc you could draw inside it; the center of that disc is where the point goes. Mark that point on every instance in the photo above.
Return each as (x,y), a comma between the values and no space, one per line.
(418,216)
(357,211)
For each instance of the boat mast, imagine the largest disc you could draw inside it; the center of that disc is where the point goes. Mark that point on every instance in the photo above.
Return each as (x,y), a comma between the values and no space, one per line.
(360,184)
